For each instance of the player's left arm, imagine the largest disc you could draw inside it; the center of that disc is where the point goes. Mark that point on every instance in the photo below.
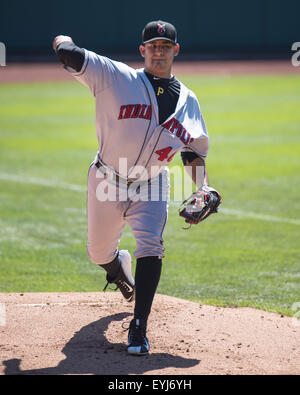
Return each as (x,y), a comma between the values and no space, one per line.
(195,167)
(205,200)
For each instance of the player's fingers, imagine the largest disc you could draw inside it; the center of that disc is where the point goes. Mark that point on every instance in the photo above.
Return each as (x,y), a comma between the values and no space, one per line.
(54,44)
(59,39)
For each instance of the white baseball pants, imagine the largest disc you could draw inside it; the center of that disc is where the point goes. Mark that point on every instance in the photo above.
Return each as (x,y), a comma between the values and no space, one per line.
(109,208)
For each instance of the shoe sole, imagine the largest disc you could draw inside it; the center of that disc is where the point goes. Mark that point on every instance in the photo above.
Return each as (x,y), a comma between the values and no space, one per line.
(125,259)
(132,297)
(136,350)
(137,353)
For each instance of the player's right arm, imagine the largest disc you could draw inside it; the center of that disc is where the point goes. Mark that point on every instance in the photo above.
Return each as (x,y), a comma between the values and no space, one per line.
(68,53)
(60,39)
(95,71)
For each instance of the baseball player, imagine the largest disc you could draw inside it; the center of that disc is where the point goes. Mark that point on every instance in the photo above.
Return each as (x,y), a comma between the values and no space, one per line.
(143,118)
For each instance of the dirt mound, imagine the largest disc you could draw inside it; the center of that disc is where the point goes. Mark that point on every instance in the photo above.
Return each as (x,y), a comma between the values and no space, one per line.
(83,333)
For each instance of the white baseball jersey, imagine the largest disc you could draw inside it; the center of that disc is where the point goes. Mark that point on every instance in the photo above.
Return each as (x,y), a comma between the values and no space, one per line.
(127,119)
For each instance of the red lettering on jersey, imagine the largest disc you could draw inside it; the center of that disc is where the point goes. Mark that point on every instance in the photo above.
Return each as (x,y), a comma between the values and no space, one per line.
(183,138)
(175,125)
(179,131)
(171,157)
(142,111)
(128,111)
(122,108)
(163,153)
(168,124)
(190,139)
(148,113)
(136,111)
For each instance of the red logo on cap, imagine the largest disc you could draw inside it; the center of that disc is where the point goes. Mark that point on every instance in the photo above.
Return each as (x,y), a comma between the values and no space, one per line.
(161,29)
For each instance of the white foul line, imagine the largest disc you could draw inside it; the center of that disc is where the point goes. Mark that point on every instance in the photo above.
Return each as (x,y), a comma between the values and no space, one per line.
(42,181)
(240,213)
(78,188)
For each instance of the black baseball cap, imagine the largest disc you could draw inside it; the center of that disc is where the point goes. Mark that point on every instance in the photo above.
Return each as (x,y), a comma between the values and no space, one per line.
(159,30)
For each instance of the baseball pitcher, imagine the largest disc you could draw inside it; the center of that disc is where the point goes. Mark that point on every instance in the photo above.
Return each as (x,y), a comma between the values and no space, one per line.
(143,118)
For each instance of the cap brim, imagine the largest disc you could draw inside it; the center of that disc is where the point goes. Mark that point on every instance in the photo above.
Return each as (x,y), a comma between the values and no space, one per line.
(159,38)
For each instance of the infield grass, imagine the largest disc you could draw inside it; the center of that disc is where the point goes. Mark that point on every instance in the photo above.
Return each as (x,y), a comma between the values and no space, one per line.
(247,255)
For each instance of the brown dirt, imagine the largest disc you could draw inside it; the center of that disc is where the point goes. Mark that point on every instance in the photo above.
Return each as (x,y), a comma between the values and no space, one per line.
(54,71)
(82,333)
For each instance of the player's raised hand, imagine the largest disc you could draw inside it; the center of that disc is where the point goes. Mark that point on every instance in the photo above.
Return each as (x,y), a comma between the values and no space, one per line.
(59,39)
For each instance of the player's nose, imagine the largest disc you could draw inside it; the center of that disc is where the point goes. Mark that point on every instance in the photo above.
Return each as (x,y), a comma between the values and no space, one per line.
(159,50)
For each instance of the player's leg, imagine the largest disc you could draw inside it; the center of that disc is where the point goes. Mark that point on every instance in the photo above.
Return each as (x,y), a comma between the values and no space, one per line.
(119,273)
(147,276)
(105,226)
(147,220)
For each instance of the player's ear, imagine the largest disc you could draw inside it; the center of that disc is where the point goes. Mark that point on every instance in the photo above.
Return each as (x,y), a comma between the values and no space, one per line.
(142,50)
(176,49)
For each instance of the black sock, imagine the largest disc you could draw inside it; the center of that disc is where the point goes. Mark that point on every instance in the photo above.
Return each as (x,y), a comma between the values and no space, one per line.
(147,275)
(112,268)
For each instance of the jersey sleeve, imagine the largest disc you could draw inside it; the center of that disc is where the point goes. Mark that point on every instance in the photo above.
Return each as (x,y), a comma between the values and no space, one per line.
(98,72)
(197,127)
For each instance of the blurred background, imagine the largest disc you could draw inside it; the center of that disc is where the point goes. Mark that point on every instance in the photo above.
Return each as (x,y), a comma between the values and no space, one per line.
(231,29)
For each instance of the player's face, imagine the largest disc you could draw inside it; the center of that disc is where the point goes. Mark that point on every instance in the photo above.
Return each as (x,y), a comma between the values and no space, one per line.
(159,56)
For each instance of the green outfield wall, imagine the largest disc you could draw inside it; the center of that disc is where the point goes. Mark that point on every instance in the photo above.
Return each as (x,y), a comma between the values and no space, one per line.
(214,28)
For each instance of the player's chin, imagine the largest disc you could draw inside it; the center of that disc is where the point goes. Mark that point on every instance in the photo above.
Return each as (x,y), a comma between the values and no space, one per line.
(159,64)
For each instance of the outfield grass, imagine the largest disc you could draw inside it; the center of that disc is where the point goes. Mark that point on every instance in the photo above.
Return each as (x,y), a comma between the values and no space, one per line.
(245,258)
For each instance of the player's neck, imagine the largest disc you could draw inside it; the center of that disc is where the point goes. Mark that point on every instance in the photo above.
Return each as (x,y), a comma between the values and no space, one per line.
(154,77)
(159,74)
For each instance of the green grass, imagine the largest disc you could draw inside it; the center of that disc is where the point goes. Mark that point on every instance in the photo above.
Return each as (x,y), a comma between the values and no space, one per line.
(47,135)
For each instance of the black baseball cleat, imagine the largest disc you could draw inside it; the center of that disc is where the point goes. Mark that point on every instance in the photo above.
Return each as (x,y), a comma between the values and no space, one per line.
(137,341)
(124,280)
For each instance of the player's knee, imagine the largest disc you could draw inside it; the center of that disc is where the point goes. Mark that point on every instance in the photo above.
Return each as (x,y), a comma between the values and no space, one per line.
(150,248)
(99,256)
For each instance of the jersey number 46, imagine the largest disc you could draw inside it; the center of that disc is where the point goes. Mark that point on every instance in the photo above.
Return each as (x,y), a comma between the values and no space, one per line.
(163,154)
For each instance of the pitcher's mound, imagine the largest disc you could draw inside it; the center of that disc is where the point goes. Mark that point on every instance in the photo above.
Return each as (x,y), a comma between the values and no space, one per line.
(84,333)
